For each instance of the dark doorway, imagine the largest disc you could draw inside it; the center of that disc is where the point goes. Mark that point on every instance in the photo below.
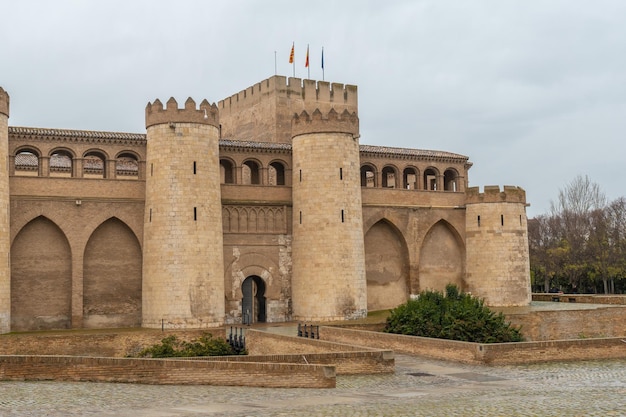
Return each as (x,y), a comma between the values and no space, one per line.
(253,303)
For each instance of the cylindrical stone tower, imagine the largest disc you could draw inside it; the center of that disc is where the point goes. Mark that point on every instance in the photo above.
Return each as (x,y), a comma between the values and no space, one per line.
(328,249)
(498,265)
(5,240)
(183,260)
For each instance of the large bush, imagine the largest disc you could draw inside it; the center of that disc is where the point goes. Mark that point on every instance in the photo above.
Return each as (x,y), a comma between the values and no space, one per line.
(455,316)
(171,347)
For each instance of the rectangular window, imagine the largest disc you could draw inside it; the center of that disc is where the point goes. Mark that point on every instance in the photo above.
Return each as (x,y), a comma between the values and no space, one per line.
(340,173)
(195,214)
(520,219)
(150,215)
(194,167)
(151,169)
(300,217)
(478,221)
(342,217)
(300,175)
(502,219)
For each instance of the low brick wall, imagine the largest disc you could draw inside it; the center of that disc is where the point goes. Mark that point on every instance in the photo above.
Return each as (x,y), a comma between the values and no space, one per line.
(116,343)
(412,345)
(581,298)
(264,343)
(488,353)
(552,351)
(166,371)
(348,359)
(594,322)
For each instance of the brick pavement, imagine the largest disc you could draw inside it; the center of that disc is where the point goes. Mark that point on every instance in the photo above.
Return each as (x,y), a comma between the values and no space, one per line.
(420,387)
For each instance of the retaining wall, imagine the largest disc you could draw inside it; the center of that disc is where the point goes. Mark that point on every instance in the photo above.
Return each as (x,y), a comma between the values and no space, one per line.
(166,371)
(483,353)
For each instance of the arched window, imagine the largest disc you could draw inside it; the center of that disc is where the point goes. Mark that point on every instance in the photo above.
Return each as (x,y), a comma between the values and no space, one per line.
(27,163)
(250,173)
(276,173)
(409,179)
(450,180)
(61,164)
(368,176)
(93,165)
(227,175)
(430,179)
(389,177)
(127,166)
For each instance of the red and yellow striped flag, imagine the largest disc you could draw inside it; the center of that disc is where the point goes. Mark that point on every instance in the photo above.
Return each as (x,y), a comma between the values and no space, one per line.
(291,54)
(306,63)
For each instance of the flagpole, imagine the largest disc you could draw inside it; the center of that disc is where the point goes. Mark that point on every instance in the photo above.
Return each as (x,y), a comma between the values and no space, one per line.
(275,67)
(323,64)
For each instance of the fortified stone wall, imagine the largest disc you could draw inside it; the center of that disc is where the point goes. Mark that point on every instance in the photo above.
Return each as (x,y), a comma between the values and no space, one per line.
(328,251)
(5,248)
(263,112)
(498,267)
(183,283)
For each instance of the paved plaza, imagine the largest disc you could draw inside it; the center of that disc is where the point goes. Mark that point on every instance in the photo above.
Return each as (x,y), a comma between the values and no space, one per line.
(419,387)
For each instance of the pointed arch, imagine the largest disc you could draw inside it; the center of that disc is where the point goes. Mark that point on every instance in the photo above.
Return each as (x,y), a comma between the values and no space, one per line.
(386,266)
(41,277)
(112,277)
(442,258)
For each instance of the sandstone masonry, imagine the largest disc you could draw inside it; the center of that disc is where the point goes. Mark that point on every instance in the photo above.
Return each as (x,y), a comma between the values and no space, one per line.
(263,207)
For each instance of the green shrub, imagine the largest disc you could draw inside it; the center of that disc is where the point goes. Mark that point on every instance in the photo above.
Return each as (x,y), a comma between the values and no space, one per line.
(455,316)
(171,347)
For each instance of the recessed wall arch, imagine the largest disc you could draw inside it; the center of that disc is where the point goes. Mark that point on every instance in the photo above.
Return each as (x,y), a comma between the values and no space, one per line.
(112,265)
(386,266)
(442,258)
(248,264)
(41,277)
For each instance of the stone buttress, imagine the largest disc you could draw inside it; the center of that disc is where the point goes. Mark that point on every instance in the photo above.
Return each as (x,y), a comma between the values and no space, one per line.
(498,268)
(183,266)
(328,281)
(5,240)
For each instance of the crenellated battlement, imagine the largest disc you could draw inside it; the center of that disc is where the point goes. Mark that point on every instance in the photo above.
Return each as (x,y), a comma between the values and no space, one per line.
(492,194)
(207,114)
(310,91)
(263,112)
(4,102)
(331,122)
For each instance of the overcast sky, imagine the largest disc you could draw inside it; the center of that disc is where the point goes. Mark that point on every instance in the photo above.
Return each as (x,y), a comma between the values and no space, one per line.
(533,92)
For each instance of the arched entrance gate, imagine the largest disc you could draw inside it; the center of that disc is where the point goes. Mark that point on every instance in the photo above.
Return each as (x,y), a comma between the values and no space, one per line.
(253,302)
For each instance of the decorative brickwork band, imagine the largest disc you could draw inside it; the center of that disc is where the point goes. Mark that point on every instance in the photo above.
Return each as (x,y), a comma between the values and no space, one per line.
(333,122)
(492,194)
(207,114)
(4,102)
